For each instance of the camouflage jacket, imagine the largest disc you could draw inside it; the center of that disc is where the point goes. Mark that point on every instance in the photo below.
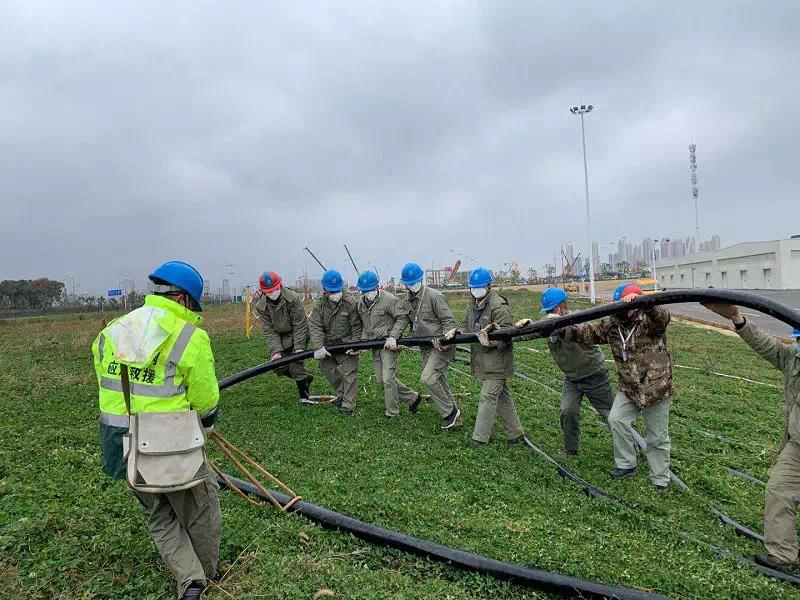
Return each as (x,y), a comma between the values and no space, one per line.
(785,358)
(283,322)
(639,347)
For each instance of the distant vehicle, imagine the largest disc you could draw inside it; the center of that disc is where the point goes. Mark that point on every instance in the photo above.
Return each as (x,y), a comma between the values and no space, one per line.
(648,285)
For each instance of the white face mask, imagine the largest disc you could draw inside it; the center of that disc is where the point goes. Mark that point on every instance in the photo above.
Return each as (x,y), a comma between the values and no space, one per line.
(478,293)
(414,287)
(274,295)
(371,295)
(335,297)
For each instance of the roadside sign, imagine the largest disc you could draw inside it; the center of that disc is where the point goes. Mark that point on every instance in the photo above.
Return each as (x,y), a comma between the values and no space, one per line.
(112,293)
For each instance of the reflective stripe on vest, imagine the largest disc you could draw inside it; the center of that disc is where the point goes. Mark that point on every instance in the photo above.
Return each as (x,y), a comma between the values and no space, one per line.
(114,420)
(171,366)
(141,389)
(100,344)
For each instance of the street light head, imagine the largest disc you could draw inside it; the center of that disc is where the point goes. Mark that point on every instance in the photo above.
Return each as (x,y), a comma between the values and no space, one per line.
(573,109)
(583,107)
(589,108)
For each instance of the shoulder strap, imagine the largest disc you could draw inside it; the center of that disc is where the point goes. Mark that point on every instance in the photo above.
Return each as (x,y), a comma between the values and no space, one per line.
(126,386)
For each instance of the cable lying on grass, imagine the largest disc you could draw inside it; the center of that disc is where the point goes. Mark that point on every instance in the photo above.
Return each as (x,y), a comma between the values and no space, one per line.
(543,580)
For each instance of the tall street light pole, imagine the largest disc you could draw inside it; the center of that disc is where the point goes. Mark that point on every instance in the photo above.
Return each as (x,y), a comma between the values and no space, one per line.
(582,110)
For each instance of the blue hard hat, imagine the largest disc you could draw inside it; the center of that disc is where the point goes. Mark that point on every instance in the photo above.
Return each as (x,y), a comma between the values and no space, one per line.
(795,333)
(618,292)
(480,277)
(412,273)
(332,281)
(367,281)
(552,297)
(181,275)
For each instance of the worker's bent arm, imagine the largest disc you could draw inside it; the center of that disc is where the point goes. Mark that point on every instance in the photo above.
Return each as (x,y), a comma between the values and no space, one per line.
(355,326)
(442,310)
(299,325)
(778,354)
(315,327)
(659,318)
(587,333)
(200,379)
(401,320)
(502,318)
(272,336)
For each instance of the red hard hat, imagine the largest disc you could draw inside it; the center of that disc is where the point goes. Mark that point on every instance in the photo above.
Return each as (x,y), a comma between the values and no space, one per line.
(631,288)
(269,281)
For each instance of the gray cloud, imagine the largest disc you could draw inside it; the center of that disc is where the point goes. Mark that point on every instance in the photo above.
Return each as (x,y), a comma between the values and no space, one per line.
(222,133)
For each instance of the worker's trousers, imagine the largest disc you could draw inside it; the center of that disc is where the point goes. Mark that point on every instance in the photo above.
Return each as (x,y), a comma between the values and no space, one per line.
(433,377)
(780,503)
(341,370)
(385,364)
(656,418)
(495,401)
(295,371)
(186,528)
(597,388)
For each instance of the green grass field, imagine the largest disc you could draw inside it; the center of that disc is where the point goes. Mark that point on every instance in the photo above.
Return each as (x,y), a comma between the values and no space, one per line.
(68,532)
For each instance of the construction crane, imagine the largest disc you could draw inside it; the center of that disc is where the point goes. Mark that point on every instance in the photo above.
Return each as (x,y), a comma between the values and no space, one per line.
(455,269)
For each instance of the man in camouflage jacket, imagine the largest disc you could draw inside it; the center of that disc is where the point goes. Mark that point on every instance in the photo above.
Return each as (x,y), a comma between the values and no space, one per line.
(638,342)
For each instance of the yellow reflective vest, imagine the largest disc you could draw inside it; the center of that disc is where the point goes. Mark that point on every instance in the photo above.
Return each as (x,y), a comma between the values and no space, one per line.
(170,366)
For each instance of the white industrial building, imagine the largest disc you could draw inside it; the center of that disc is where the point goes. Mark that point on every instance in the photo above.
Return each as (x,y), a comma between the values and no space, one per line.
(748,266)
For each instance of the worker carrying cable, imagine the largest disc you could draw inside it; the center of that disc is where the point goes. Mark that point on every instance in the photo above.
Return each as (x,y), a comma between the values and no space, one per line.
(285,327)
(335,320)
(783,487)
(491,361)
(379,312)
(155,370)
(638,342)
(427,312)
(584,369)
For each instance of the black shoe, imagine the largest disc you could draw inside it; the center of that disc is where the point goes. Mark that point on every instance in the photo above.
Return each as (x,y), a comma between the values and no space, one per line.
(414,406)
(476,443)
(337,402)
(345,411)
(570,451)
(516,440)
(660,489)
(389,417)
(308,401)
(617,473)
(451,420)
(765,560)
(194,591)
(304,390)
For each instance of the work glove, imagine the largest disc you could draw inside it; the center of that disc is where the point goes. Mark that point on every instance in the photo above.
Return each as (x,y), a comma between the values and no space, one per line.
(483,336)
(208,430)
(729,311)
(390,344)
(299,350)
(353,352)
(275,356)
(523,323)
(447,336)
(321,353)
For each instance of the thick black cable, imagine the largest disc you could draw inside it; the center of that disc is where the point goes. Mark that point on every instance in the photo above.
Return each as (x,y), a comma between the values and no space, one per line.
(545,327)
(519,574)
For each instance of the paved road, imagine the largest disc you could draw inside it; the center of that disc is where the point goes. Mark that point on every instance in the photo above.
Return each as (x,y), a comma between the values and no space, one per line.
(773,326)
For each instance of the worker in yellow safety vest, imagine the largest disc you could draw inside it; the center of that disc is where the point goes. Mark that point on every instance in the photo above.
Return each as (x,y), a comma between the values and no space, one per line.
(170,369)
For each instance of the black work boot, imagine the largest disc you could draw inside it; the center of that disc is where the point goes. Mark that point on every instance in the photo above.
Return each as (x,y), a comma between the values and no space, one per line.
(517,440)
(765,560)
(303,389)
(337,402)
(194,591)
(617,473)
(414,406)
(452,420)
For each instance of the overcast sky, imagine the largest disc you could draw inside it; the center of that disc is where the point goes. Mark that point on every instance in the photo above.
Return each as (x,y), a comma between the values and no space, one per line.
(239,132)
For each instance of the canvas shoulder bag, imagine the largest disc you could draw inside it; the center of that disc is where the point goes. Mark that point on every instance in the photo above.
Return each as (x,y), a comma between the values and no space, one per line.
(165,451)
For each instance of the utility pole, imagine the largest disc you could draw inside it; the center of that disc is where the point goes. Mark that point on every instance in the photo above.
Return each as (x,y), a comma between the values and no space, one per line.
(582,110)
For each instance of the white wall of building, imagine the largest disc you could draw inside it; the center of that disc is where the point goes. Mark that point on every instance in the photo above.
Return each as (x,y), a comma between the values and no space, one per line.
(748,266)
